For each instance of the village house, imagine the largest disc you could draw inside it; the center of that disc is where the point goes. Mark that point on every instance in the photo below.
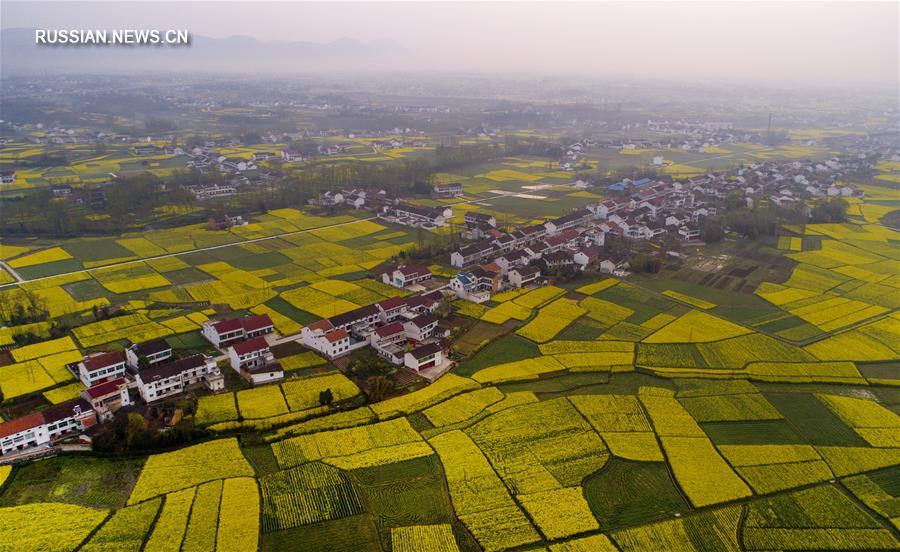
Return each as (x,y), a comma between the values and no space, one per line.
(421,327)
(586,257)
(236,164)
(557,259)
(448,190)
(254,361)
(357,320)
(154,352)
(148,149)
(323,337)
(467,286)
(388,340)
(291,155)
(476,218)
(223,333)
(471,254)
(390,309)
(427,302)
(101,367)
(523,276)
(172,378)
(689,232)
(7,176)
(424,356)
(70,417)
(44,427)
(434,216)
(504,243)
(511,260)
(263,155)
(408,275)
(212,191)
(223,222)
(108,397)
(580,217)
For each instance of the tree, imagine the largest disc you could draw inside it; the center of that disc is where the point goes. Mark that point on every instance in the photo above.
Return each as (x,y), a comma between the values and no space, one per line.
(831,211)
(143,362)
(378,387)
(326,397)
(712,230)
(734,200)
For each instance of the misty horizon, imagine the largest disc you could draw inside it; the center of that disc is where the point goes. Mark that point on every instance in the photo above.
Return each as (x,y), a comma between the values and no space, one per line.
(843,45)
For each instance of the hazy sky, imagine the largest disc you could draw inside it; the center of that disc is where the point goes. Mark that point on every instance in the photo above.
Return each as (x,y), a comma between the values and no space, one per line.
(840,43)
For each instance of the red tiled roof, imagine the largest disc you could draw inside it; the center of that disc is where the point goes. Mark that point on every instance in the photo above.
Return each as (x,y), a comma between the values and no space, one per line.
(392,303)
(255,344)
(255,323)
(391,329)
(103,360)
(30,421)
(413,270)
(425,350)
(323,324)
(336,335)
(105,388)
(226,326)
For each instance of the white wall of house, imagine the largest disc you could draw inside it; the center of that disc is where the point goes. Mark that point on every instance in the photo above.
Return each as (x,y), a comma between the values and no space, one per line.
(90,379)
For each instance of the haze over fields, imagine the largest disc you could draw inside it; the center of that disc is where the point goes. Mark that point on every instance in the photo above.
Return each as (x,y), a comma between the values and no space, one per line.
(848,44)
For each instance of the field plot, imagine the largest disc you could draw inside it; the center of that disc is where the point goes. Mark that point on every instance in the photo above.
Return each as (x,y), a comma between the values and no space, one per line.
(716,529)
(345,442)
(480,499)
(412,538)
(191,466)
(48,526)
(307,494)
(551,320)
(876,424)
(699,470)
(126,529)
(818,518)
(771,468)
(540,447)
(696,327)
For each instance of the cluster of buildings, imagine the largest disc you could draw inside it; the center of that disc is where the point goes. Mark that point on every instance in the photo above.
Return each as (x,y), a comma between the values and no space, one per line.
(148,368)
(402,330)
(244,342)
(499,260)
(150,372)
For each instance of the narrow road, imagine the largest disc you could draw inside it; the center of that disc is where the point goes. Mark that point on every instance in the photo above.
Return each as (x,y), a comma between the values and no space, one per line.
(12,272)
(20,280)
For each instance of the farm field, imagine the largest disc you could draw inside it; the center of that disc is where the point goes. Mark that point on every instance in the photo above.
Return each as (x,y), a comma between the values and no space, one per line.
(388,485)
(743,400)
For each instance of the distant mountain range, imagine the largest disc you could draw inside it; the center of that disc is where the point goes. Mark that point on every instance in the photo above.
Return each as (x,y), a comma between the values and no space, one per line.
(20,54)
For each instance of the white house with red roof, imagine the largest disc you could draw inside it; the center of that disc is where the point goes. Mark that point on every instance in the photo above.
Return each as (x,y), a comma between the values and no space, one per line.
(403,276)
(254,361)
(523,275)
(108,397)
(424,356)
(171,378)
(101,367)
(388,341)
(391,309)
(324,337)
(586,256)
(421,327)
(223,333)
(44,427)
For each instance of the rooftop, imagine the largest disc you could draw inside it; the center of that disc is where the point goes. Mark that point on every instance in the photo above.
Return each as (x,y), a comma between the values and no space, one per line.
(102,360)
(251,345)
